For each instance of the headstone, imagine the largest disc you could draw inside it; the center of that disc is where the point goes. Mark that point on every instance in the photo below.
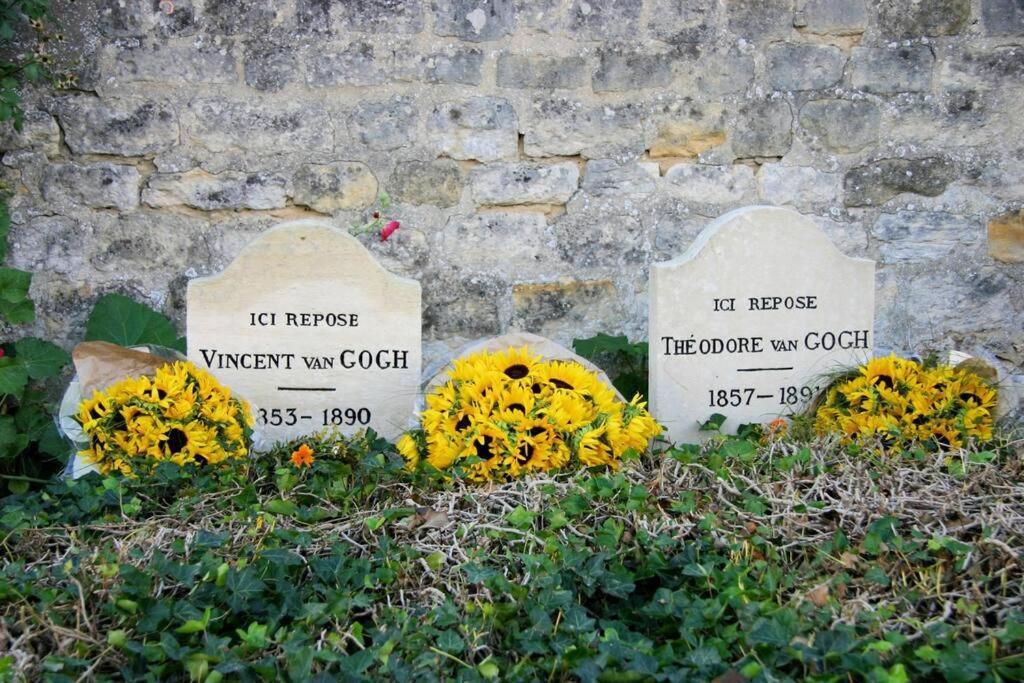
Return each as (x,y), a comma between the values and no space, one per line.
(307,326)
(750,321)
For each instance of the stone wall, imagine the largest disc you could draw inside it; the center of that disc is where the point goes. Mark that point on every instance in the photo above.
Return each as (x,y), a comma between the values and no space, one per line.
(540,153)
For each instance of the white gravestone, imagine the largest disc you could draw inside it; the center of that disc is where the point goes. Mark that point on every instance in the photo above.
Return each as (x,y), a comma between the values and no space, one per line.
(750,320)
(307,326)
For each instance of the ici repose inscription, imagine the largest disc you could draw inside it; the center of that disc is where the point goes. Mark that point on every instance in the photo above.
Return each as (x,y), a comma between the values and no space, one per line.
(311,329)
(750,317)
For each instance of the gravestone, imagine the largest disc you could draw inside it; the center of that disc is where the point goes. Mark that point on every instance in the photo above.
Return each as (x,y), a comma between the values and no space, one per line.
(307,326)
(750,320)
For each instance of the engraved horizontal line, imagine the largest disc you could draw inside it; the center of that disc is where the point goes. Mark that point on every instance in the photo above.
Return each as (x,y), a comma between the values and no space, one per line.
(762,369)
(765,395)
(307,389)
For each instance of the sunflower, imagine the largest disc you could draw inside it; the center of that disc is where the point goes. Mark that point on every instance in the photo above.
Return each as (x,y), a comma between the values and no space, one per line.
(504,415)
(182,415)
(897,402)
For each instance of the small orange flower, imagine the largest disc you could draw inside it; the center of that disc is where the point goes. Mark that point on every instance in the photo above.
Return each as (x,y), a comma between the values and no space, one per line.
(303,457)
(777,428)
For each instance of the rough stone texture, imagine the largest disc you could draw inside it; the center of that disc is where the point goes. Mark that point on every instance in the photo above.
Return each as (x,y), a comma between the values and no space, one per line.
(794,66)
(534,71)
(892,70)
(511,184)
(763,128)
(427,182)
(836,17)
(922,236)
(123,127)
(98,186)
(550,308)
(474,20)
(228,190)
(332,187)
(1003,17)
(629,69)
(481,128)
(843,126)
(670,111)
(1006,238)
(880,181)
(801,187)
(923,18)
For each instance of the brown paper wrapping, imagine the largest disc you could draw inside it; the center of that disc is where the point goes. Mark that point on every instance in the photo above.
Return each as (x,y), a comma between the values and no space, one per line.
(100,364)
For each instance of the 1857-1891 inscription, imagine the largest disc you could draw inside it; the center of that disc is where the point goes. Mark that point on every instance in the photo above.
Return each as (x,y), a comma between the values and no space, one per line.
(750,319)
(312,330)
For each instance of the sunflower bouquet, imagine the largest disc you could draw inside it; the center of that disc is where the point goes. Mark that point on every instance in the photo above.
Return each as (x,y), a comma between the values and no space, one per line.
(505,414)
(181,414)
(899,402)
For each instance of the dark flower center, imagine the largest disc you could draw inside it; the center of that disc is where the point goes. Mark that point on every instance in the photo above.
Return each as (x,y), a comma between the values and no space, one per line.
(161,394)
(463,423)
(94,414)
(483,448)
(885,381)
(525,453)
(176,440)
(517,406)
(562,385)
(537,431)
(968,396)
(517,371)
(536,388)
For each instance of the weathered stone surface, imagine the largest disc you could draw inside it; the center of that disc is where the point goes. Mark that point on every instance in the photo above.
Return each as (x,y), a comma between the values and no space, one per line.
(684,139)
(984,67)
(313,16)
(269,67)
(39,131)
(481,128)
(596,19)
(880,181)
(622,69)
(614,242)
(229,190)
(219,125)
(1006,237)
(1003,17)
(249,17)
(607,177)
(892,70)
(357,63)
(681,22)
(129,127)
(160,63)
(762,128)
(539,71)
(724,72)
(462,306)
(495,243)
(721,185)
(474,20)
(922,236)
(559,126)
(332,187)
(520,183)
(98,186)
(381,16)
(843,126)
(801,187)
(839,17)
(759,20)
(384,125)
(427,182)
(923,17)
(794,66)
(548,309)
(453,65)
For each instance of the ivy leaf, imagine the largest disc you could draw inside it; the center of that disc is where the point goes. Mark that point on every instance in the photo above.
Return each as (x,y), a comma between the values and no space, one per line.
(41,358)
(713,424)
(13,376)
(119,320)
(12,442)
(14,302)
(5,225)
(768,632)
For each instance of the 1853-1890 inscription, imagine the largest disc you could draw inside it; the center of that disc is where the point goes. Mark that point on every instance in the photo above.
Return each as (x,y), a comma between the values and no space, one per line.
(313,331)
(749,321)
